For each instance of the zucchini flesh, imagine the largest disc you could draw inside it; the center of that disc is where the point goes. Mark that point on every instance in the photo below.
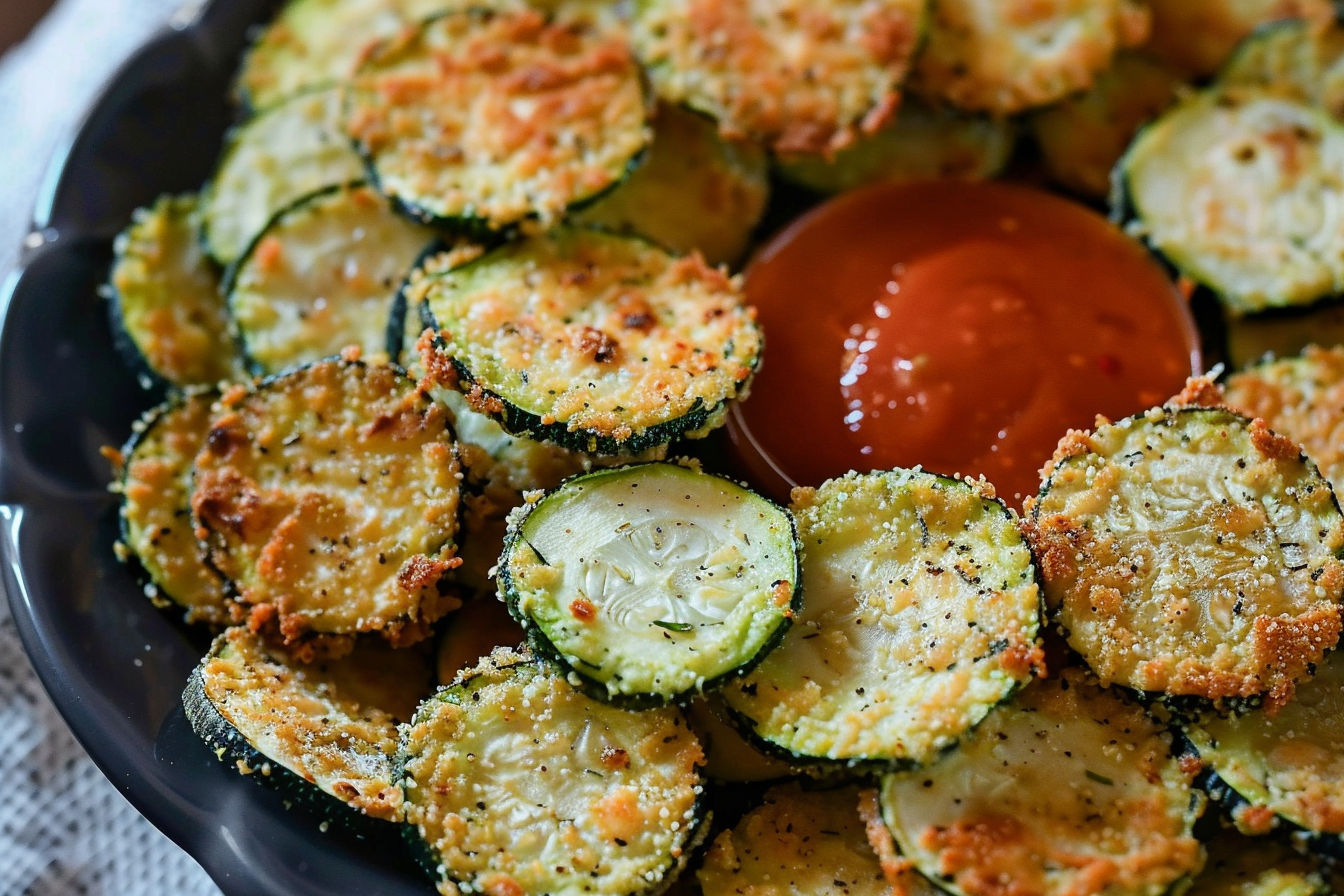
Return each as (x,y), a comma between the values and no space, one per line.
(795,76)
(653,581)
(322,276)
(694,190)
(796,842)
(517,783)
(921,615)
(156,528)
(328,497)
(164,296)
(1300,397)
(1067,790)
(303,729)
(1004,58)
(597,342)
(1238,188)
(1193,552)
(1197,37)
(271,161)
(531,118)
(1285,766)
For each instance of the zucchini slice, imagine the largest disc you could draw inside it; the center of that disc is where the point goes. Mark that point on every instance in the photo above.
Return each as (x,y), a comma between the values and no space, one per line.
(164,299)
(1295,57)
(156,529)
(1239,189)
(921,614)
(694,190)
(1255,866)
(1066,790)
(482,118)
(517,783)
(1283,767)
(322,276)
(795,76)
(270,162)
(324,735)
(1004,58)
(1191,552)
(795,842)
(597,342)
(328,499)
(1198,36)
(922,142)
(1303,398)
(651,582)
(319,43)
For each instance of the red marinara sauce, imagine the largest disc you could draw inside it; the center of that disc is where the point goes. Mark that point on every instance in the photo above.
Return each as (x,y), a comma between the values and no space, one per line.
(960,326)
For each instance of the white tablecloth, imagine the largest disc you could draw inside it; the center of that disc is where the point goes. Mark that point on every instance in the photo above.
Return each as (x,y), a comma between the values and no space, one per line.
(64,829)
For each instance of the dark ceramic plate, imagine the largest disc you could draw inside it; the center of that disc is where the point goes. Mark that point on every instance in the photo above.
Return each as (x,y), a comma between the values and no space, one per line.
(114,665)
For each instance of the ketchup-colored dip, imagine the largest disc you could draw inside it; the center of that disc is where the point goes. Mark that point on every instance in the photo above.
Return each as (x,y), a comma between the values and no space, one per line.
(964,327)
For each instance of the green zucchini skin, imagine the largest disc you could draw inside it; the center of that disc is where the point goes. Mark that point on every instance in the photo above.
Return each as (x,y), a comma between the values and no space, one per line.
(776,598)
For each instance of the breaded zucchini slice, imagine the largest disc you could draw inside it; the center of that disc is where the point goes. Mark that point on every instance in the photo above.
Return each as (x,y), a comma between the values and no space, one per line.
(1193,553)
(516,782)
(163,296)
(922,141)
(322,276)
(270,161)
(597,342)
(156,530)
(1284,767)
(794,76)
(1255,866)
(793,842)
(651,582)
(1067,790)
(920,615)
(1239,188)
(480,118)
(1303,398)
(1004,58)
(694,190)
(319,43)
(1294,56)
(328,498)
(1081,137)
(1196,37)
(324,735)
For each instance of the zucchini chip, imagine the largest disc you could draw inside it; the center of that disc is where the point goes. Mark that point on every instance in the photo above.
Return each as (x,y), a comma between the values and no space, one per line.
(164,298)
(270,162)
(1286,766)
(324,735)
(1004,58)
(1303,398)
(922,142)
(921,614)
(1197,36)
(694,190)
(1294,57)
(482,118)
(1066,791)
(1193,553)
(156,530)
(517,783)
(1255,866)
(597,342)
(651,582)
(795,76)
(322,276)
(794,842)
(1082,137)
(1239,189)
(328,499)
(319,43)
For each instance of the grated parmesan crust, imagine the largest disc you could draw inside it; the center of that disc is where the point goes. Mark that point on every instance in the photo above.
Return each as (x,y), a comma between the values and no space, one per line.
(1006,56)
(1192,552)
(491,117)
(798,77)
(328,497)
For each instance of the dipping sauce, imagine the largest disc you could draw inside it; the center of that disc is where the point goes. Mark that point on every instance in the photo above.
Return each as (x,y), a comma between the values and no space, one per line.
(960,326)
